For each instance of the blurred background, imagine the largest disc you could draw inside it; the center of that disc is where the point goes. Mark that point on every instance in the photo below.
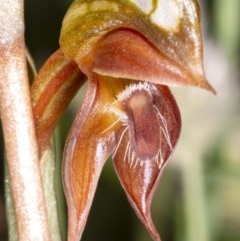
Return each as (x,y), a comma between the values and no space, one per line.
(199,193)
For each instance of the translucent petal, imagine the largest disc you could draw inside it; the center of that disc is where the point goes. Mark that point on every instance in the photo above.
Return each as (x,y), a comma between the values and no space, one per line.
(52,90)
(90,142)
(128,54)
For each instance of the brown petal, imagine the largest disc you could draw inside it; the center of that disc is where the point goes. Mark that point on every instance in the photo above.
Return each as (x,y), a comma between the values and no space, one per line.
(140,178)
(128,54)
(52,90)
(90,142)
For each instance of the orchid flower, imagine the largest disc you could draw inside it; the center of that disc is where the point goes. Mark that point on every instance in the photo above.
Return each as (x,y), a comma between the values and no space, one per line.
(129,52)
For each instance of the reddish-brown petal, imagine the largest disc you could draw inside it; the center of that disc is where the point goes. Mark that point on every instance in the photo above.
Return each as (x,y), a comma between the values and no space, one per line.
(128,54)
(140,178)
(90,142)
(52,90)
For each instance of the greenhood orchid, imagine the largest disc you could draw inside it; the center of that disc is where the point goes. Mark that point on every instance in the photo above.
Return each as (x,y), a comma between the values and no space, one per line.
(129,52)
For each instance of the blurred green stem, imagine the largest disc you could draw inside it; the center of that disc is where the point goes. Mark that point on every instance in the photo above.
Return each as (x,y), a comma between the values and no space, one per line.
(61,203)
(194,197)
(226,25)
(48,166)
(11,217)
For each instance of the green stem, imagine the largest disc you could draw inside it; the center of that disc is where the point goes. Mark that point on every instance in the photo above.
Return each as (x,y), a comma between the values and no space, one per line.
(11,216)
(194,197)
(48,176)
(226,25)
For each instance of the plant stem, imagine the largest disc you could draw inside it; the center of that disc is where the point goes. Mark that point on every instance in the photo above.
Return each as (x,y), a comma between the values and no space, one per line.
(47,164)
(194,197)
(18,127)
(11,217)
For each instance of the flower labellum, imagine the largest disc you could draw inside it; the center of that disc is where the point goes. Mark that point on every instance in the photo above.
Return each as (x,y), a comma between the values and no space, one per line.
(144,129)
(142,119)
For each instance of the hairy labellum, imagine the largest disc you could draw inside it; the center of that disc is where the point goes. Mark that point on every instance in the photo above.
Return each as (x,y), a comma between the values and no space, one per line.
(142,120)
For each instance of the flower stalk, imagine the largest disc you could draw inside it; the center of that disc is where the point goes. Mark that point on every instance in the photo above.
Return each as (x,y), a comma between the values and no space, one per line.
(18,127)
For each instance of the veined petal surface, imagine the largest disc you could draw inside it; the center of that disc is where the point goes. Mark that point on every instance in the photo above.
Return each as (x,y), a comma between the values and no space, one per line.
(128,54)
(90,142)
(52,90)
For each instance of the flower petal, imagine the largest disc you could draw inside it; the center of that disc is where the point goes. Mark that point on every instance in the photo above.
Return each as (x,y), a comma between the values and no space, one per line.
(90,142)
(126,53)
(140,178)
(52,90)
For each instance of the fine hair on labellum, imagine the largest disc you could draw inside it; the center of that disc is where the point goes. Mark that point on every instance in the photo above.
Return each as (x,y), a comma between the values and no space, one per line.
(143,122)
